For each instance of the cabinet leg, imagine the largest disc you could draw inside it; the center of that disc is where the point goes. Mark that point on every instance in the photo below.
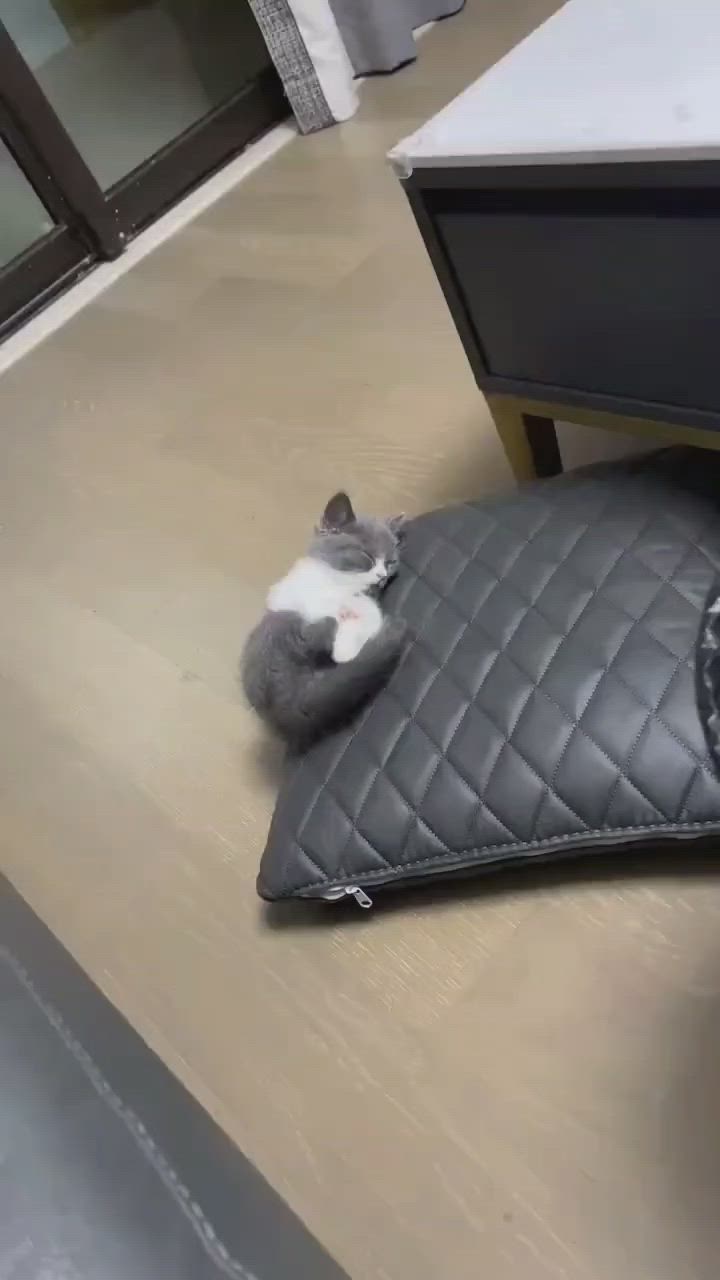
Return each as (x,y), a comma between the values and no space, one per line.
(529,440)
(544,447)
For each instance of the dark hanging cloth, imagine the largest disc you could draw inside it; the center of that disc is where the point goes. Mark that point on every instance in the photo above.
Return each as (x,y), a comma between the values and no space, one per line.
(707,671)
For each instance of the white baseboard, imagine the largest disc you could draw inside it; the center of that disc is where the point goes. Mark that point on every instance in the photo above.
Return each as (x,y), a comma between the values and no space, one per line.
(79,295)
(101,277)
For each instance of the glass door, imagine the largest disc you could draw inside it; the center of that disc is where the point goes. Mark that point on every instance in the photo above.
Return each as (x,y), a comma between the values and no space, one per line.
(42,247)
(38,254)
(127,78)
(23,217)
(124,105)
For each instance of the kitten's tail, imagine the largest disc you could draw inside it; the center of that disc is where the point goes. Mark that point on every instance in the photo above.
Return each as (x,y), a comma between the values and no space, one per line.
(332,694)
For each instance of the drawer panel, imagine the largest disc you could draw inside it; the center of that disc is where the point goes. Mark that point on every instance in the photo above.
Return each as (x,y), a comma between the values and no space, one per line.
(620,301)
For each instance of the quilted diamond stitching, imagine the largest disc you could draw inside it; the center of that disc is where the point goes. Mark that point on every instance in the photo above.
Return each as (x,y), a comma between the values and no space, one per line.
(597,590)
(622,772)
(591,586)
(576,724)
(558,518)
(536,687)
(626,772)
(690,787)
(442,755)
(378,769)
(686,660)
(439,601)
(357,817)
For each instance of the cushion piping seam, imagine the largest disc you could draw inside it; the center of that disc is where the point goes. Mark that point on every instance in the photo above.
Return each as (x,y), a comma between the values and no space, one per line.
(518,846)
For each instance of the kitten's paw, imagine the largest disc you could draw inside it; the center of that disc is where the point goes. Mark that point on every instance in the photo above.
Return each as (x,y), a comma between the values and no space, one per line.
(348,644)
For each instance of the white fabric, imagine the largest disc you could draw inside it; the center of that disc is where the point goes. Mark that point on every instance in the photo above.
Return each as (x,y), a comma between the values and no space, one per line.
(323,41)
(380,35)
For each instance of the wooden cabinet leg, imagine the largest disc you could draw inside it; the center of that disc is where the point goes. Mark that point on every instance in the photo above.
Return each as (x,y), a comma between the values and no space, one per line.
(544,447)
(529,440)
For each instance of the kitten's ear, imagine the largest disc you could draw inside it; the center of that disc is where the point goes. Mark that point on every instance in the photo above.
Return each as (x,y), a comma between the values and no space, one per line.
(396,524)
(337,514)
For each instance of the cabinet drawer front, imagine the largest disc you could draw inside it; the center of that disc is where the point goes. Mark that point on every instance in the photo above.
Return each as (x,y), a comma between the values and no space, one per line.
(618,302)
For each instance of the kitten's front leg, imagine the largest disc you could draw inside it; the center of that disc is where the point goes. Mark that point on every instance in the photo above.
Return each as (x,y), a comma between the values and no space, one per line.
(318,637)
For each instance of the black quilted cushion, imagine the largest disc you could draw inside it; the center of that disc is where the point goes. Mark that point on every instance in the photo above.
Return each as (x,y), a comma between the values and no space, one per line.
(547,701)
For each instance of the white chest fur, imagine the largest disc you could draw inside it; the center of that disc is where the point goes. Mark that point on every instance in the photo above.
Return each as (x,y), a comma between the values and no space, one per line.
(315,590)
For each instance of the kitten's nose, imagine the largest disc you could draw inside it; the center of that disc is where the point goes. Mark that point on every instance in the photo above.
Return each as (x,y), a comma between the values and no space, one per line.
(380,571)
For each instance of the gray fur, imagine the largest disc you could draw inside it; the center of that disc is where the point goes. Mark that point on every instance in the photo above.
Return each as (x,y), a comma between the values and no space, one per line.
(287,672)
(345,540)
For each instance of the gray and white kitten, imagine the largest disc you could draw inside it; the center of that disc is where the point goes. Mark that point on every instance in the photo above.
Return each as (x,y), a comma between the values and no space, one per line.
(323,646)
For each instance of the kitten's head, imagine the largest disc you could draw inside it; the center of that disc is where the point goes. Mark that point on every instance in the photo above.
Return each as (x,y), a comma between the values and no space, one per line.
(362,545)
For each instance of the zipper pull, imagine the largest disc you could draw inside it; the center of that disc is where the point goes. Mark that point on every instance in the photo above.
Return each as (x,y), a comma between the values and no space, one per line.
(362,898)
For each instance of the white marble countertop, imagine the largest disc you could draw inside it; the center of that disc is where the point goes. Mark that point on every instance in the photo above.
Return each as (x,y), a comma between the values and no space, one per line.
(601,80)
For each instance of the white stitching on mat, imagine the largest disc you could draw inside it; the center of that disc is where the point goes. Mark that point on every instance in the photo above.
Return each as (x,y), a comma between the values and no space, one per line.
(203,1229)
(673,831)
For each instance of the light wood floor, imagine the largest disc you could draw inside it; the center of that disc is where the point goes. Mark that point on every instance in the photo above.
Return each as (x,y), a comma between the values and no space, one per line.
(513,1083)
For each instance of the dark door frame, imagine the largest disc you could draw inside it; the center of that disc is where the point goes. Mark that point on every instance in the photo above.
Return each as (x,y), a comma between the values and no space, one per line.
(48,156)
(146,192)
(93,224)
(55,259)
